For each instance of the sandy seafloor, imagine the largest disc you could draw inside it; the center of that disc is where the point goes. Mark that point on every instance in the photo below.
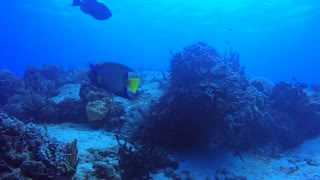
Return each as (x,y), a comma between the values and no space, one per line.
(302,162)
(293,164)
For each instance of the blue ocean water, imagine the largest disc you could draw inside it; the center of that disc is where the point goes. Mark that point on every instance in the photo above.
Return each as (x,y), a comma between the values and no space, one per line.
(277,39)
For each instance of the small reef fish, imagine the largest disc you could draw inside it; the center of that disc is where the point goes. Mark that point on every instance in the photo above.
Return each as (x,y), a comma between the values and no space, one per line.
(229,29)
(96,9)
(113,77)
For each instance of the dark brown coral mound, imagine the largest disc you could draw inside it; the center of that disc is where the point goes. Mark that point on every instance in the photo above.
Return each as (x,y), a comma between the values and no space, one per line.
(208,100)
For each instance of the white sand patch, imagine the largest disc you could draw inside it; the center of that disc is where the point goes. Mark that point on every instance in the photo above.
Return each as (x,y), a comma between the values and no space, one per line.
(68,91)
(300,163)
(202,164)
(87,139)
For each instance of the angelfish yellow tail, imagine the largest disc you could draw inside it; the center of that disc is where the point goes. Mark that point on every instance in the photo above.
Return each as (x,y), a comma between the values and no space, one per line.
(133,84)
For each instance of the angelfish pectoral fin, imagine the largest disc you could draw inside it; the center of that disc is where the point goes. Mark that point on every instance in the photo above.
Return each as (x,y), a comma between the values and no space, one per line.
(133,84)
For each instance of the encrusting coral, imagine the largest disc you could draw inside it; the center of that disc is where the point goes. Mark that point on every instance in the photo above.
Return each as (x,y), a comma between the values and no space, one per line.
(98,104)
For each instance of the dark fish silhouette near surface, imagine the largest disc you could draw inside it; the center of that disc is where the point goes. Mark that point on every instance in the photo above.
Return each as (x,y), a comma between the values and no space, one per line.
(95,9)
(113,77)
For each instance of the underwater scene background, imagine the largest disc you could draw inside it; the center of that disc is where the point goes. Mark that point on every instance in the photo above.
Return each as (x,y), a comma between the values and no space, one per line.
(276,39)
(160,89)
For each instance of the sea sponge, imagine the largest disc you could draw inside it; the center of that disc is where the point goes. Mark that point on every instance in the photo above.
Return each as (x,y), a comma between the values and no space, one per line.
(96,110)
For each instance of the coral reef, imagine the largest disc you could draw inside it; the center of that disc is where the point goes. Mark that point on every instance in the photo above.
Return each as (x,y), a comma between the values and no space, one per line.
(28,106)
(147,157)
(27,152)
(35,100)
(104,164)
(52,94)
(105,171)
(205,99)
(67,105)
(51,76)
(208,100)
(127,161)
(132,152)
(8,85)
(263,85)
(296,113)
